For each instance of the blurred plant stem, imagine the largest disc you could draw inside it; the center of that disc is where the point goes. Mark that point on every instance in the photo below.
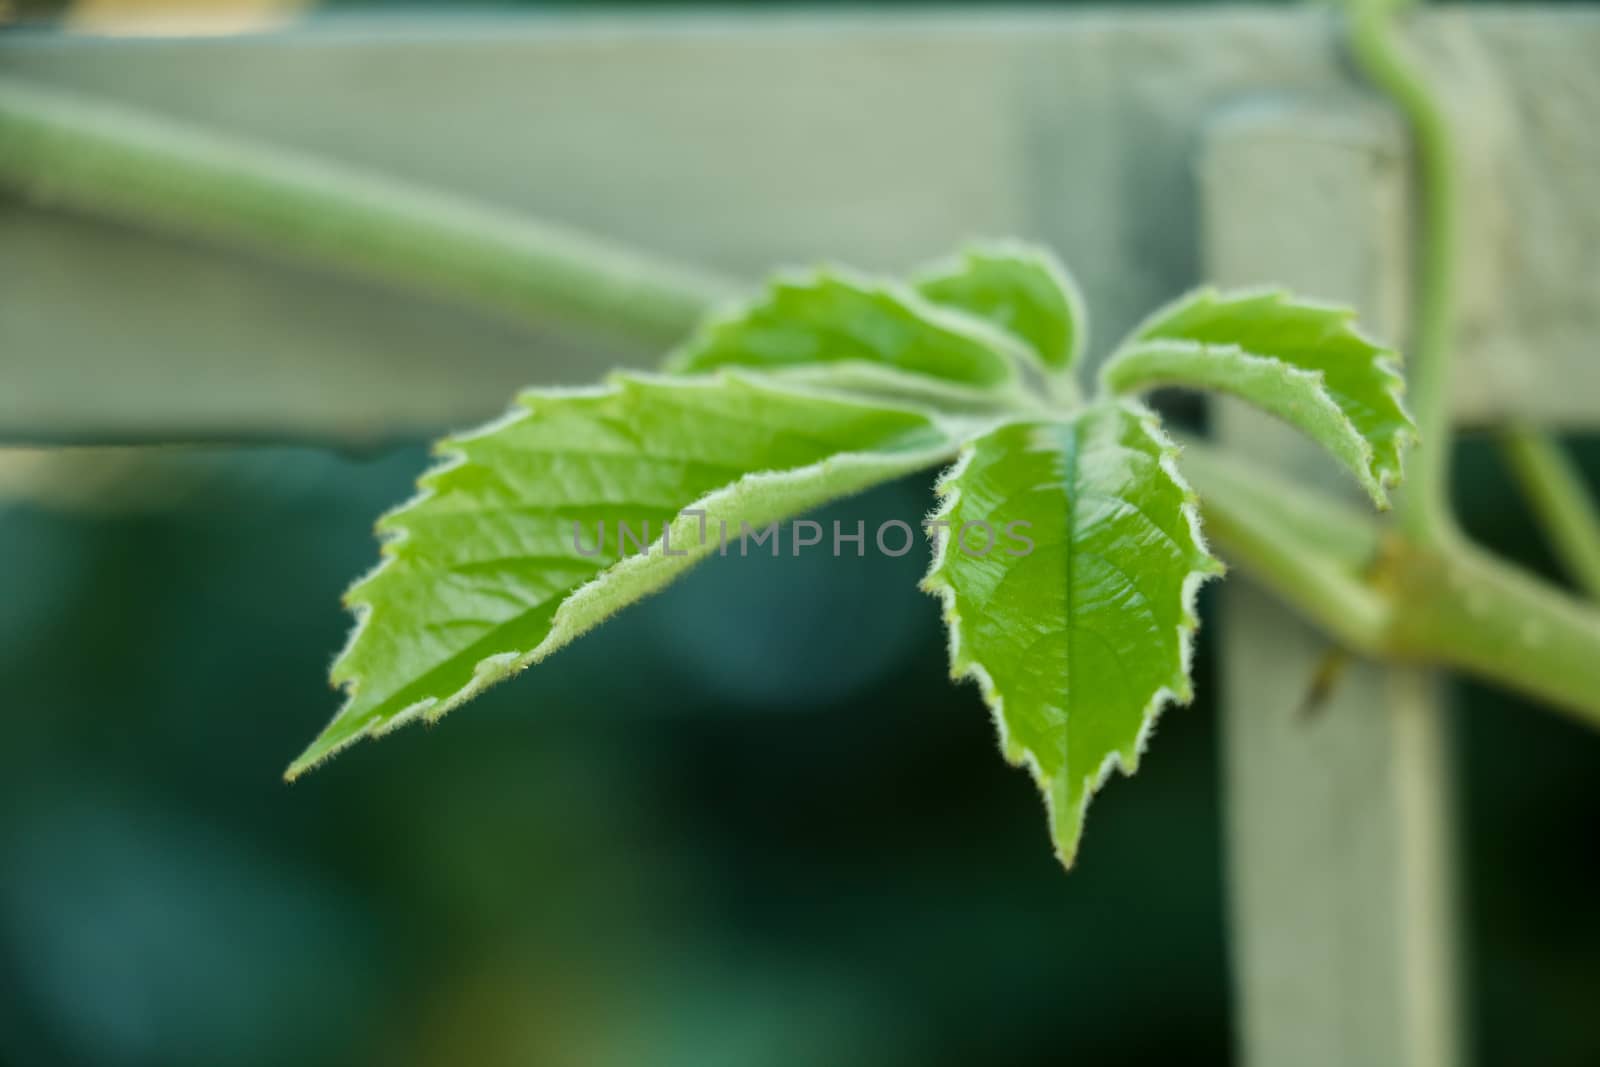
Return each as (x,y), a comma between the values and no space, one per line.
(59,149)
(1424,507)
(1552,485)
(1555,490)
(1385,594)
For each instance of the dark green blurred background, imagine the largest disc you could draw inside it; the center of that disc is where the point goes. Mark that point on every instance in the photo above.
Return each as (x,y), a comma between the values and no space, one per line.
(746,823)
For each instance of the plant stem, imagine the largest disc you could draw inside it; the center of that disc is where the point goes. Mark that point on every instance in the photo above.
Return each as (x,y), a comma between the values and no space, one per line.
(1308,548)
(1425,506)
(1467,610)
(56,148)
(1554,488)
(1391,597)
(1343,535)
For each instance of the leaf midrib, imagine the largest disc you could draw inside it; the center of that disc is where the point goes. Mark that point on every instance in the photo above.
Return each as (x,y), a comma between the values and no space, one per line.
(1070,454)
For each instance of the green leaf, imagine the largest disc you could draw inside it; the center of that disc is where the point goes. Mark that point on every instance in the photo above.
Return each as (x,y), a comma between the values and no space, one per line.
(875,381)
(1078,643)
(489,568)
(1304,362)
(833,317)
(1023,290)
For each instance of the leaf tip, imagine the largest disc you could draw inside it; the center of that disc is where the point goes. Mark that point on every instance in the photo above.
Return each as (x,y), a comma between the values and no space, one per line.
(1065,819)
(328,744)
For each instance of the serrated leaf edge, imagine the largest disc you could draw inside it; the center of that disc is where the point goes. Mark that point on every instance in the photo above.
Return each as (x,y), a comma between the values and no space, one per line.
(957,263)
(964,667)
(1374,477)
(1014,351)
(583,609)
(1388,360)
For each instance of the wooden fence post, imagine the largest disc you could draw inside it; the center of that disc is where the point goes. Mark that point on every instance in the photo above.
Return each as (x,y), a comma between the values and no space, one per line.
(1337,813)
